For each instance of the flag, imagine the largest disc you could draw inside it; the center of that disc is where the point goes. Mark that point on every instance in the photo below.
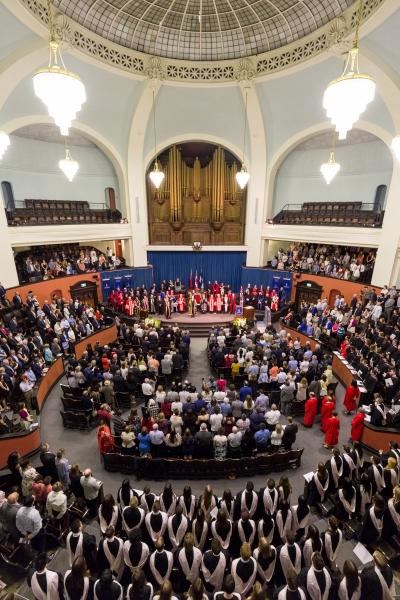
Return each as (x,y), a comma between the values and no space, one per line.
(201,280)
(191,280)
(196,281)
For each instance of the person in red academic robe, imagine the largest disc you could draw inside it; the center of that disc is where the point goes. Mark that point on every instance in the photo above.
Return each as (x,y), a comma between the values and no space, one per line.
(232,304)
(121,303)
(215,288)
(111,299)
(211,304)
(130,307)
(357,425)
(145,302)
(275,302)
(254,291)
(219,303)
(104,439)
(332,431)
(351,397)
(181,303)
(310,408)
(326,411)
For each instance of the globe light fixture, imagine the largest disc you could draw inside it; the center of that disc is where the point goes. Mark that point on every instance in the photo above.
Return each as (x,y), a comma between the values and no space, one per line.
(68,165)
(395,147)
(156,175)
(346,98)
(4,143)
(242,176)
(61,91)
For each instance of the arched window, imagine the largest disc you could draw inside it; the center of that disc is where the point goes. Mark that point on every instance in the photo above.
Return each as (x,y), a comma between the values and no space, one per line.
(380,197)
(8,195)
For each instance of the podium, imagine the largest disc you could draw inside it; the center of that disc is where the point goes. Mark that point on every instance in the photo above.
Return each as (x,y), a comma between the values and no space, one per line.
(144,313)
(248,313)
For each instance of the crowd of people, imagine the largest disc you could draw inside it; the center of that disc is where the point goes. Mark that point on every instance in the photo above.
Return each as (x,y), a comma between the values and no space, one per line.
(48,262)
(172,297)
(254,544)
(32,336)
(349,263)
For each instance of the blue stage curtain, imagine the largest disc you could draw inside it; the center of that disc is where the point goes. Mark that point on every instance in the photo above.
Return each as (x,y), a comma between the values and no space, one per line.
(110,280)
(267,277)
(225,267)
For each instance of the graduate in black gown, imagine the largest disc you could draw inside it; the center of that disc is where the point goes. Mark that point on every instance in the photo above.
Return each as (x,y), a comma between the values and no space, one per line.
(372,523)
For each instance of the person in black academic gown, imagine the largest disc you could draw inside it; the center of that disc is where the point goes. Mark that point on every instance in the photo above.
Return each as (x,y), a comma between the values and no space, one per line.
(42,576)
(321,572)
(371,586)
(368,532)
(106,588)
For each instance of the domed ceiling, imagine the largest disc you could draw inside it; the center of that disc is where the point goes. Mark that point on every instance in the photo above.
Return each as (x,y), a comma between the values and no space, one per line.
(202,29)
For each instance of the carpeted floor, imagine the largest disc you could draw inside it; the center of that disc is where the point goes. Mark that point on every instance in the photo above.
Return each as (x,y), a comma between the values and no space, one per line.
(81,447)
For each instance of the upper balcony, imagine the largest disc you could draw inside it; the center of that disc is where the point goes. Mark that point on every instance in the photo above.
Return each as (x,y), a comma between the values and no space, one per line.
(330,214)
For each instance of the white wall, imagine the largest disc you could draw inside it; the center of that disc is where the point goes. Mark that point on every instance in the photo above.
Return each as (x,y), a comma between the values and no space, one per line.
(362,168)
(32,168)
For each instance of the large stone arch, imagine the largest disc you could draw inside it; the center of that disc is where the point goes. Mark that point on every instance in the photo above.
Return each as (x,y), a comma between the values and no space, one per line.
(109,150)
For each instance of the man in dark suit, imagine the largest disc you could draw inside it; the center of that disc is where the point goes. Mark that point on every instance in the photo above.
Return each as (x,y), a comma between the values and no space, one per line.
(17,301)
(289,435)
(177,360)
(47,458)
(38,340)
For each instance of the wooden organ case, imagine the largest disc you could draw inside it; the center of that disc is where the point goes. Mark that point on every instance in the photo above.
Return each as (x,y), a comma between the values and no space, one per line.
(199,200)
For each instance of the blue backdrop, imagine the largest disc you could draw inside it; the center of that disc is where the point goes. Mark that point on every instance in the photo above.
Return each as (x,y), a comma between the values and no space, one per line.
(125,278)
(225,267)
(267,277)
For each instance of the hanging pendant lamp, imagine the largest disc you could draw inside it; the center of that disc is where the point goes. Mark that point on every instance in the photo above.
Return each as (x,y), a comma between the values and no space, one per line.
(68,165)
(4,143)
(330,168)
(346,98)
(156,175)
(395,147)
(62,91)
(242,176)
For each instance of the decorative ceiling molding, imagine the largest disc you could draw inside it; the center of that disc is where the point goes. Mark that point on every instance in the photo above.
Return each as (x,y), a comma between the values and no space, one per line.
(333,37)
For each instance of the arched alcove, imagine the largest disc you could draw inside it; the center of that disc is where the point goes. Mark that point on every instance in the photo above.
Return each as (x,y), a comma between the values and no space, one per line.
(8,195)
(380,197)
(199,199)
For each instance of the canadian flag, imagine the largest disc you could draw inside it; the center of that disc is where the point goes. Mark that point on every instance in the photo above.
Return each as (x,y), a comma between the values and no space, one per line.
(196,281)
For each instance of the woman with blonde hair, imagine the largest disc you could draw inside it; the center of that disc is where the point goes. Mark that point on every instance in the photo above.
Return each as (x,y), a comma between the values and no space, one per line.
(208,501)
(258,592)
(265,557)
(328,374)
(56,505)
(197,591)
(391,521)
(391,477)
(302,390)
(276,436)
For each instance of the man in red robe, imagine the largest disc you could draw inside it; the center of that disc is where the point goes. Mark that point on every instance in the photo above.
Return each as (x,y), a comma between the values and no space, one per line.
(351,397)
(326,411)
(310,411)
(211,304)
(357,425)
(130,307)
(215,288)
(219,303)
(332,431)
(232,303)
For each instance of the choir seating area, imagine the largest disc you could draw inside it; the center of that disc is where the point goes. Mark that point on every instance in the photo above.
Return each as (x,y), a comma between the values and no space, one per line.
(341,214)
(59,212)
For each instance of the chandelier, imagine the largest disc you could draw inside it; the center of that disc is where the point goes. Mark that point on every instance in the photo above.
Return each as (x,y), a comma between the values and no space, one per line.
(68,165)
(395,147)
(346,98)
(156,175)
(330,168)
(242,176)
(4,143)
(62,91)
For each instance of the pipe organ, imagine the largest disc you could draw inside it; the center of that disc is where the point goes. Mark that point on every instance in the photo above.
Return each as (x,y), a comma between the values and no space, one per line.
(198,200)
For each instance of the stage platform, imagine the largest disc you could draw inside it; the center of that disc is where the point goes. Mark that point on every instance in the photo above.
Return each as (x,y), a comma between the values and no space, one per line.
(200,325)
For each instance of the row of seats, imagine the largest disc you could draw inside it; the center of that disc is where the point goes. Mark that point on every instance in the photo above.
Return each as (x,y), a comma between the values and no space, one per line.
(196,468)
(342,214)
(57,206)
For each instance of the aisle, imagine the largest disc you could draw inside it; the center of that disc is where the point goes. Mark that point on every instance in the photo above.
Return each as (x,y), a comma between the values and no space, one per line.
(81,446)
